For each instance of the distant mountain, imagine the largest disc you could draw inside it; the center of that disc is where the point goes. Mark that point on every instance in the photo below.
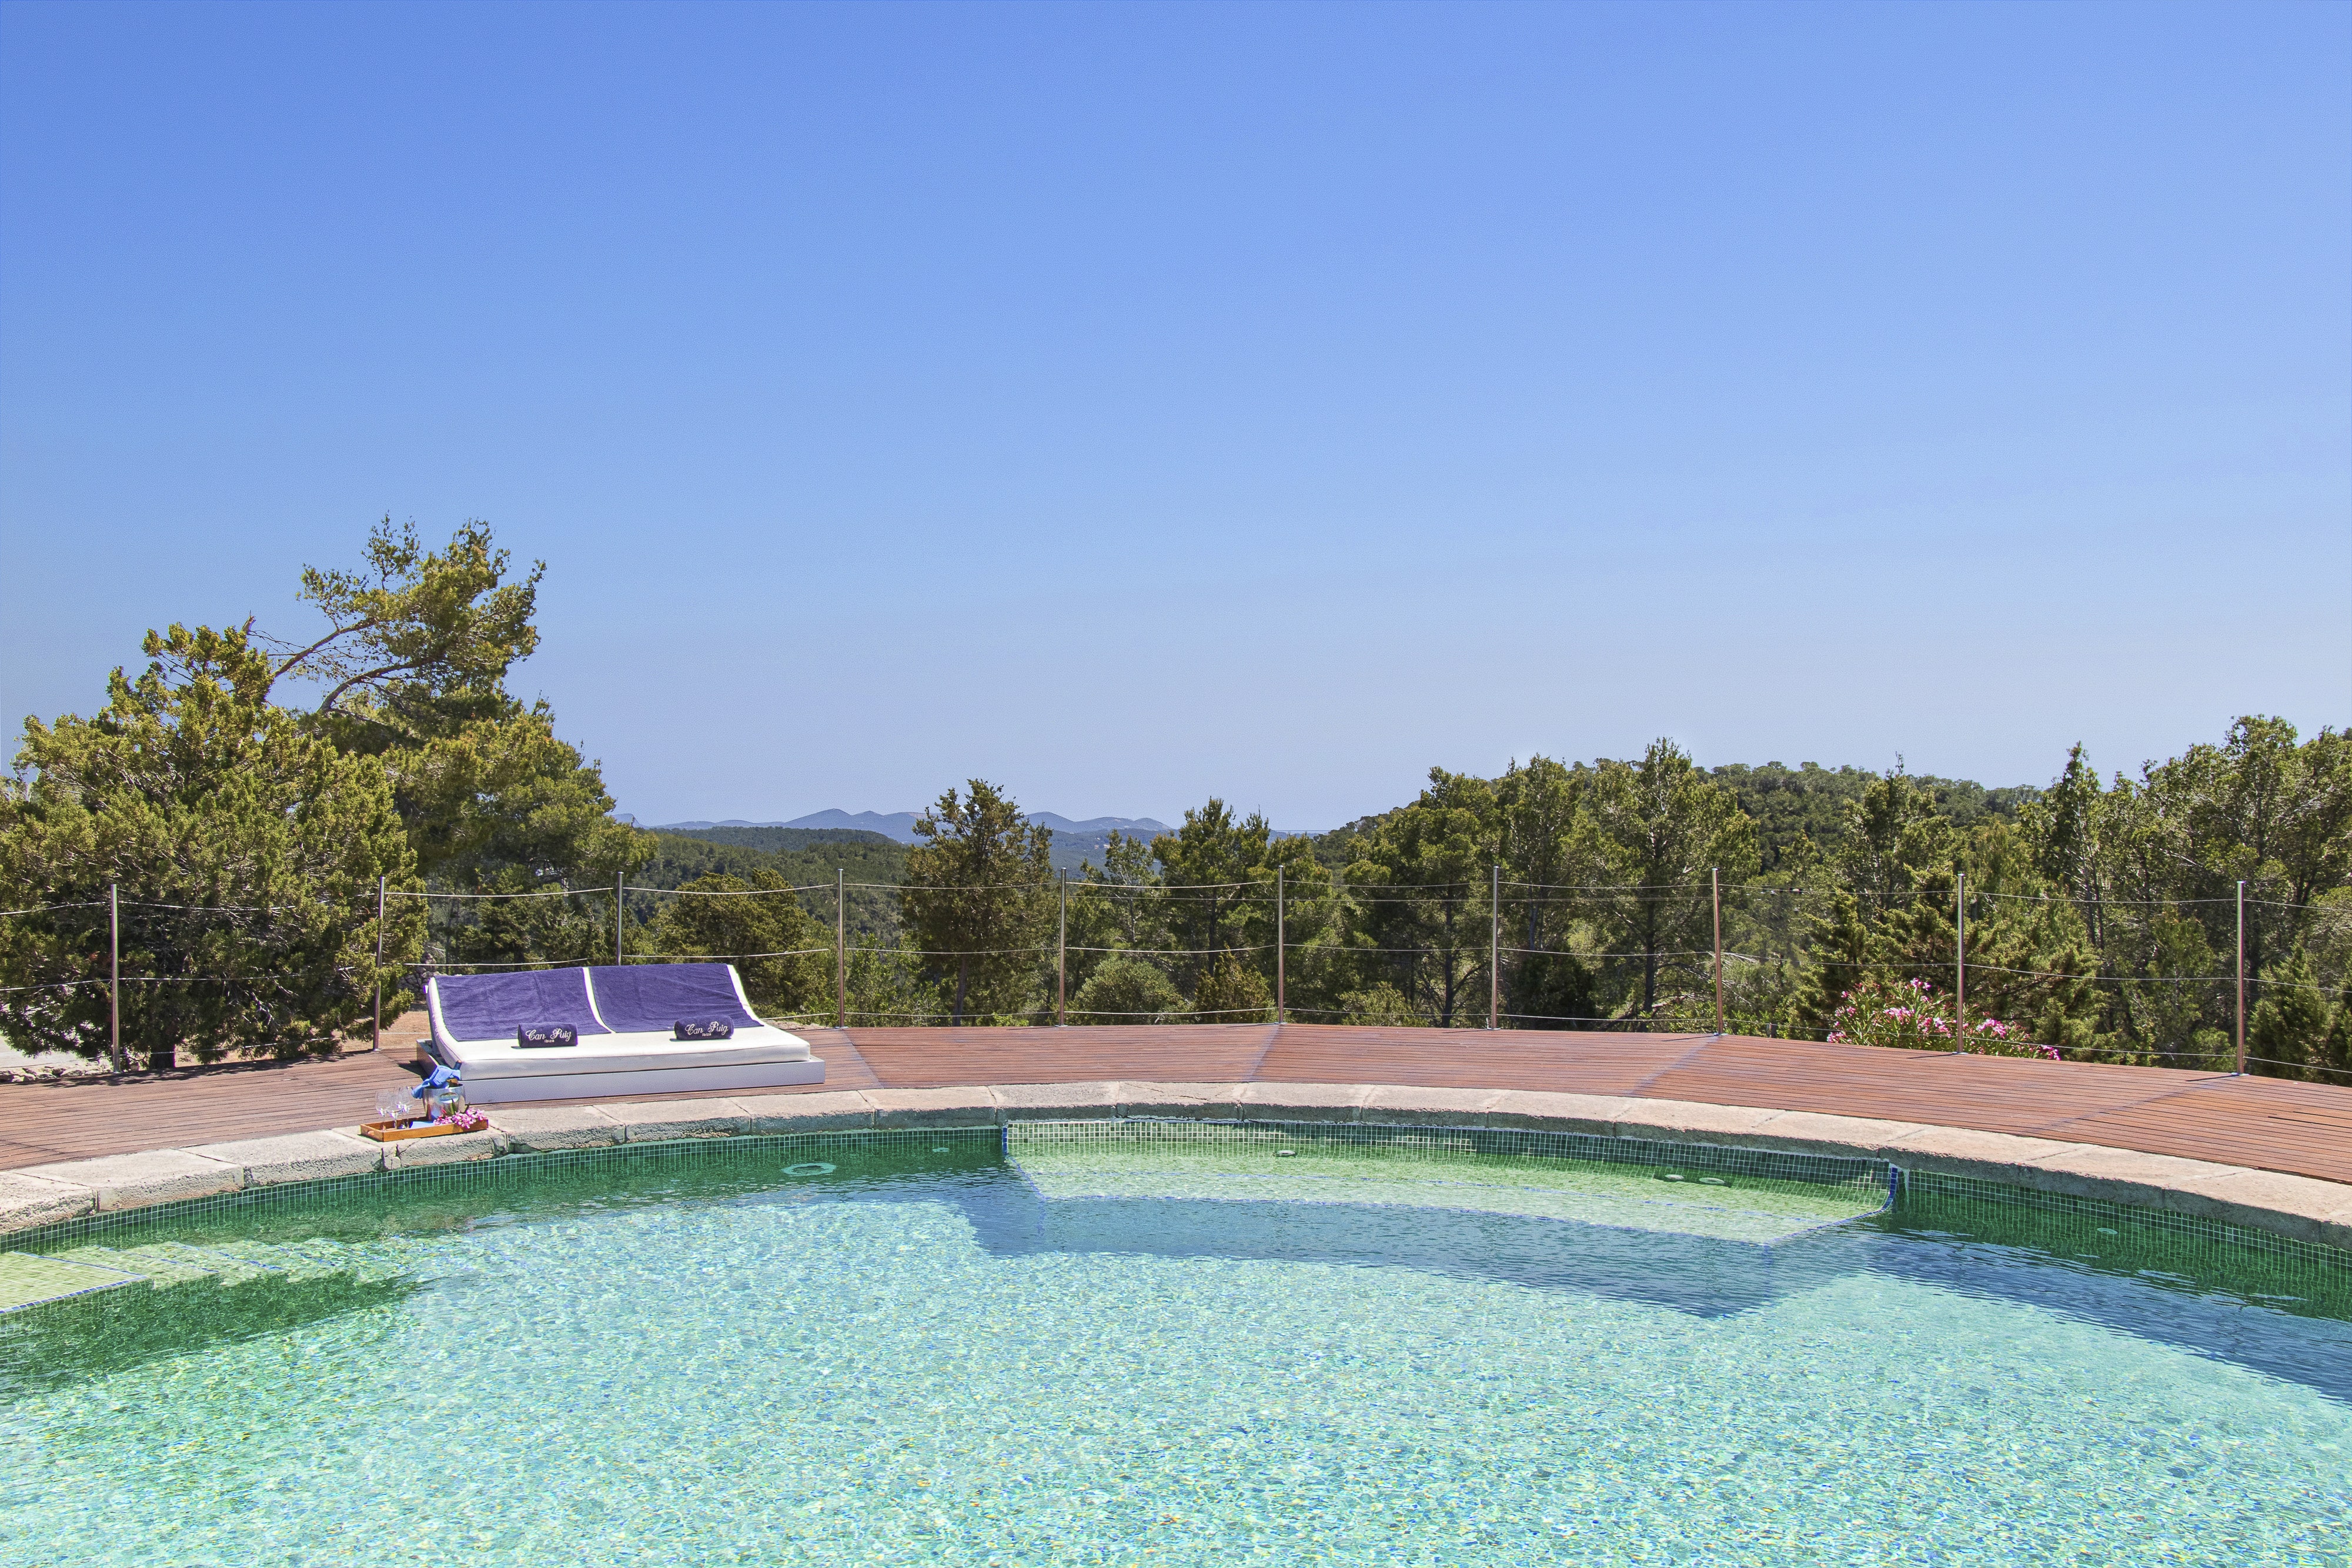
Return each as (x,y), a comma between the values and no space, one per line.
(899,825)
(770,838)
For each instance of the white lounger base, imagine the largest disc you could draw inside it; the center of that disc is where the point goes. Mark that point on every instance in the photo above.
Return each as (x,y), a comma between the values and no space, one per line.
(642,1057)
(719,1080)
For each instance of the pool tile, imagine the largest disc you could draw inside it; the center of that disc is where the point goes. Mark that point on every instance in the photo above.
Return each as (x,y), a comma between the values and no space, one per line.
(25,1277)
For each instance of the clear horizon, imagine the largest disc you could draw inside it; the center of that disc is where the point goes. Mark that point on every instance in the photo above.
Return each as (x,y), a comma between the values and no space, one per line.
(1132,405)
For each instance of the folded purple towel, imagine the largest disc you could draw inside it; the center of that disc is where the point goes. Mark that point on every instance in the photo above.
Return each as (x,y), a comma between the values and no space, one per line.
(537,1036)
(704,1028)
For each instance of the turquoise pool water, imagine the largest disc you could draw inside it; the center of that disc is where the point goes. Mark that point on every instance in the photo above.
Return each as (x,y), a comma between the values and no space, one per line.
(931,1354)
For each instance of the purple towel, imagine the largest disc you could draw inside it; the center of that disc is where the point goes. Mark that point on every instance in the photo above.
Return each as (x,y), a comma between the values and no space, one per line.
(492,1007)
(651,998)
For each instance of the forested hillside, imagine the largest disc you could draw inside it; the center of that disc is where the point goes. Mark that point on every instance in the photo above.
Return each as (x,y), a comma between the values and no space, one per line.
(797,857)
(876,862)
(804,858)
(1804,813)
(2101,915)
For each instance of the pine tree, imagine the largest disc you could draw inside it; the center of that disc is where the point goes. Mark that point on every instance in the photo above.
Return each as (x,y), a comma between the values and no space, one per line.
(1658,828)
(979,897)
(411,669)
(1125,992)
(2334,1062)
(1840,954)
(2289,1032)
(1231,991)
(247,850)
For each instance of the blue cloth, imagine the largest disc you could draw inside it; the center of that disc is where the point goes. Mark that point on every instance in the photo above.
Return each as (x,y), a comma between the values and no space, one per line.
(439,1078)
(492,1007)
(648,998)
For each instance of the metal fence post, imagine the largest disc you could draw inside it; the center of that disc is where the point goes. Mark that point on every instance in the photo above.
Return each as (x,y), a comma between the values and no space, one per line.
(1960,963)
(114,971)
(1062,958)
(1278,935)
(1715,890)
(840,948)
(2241,978)
(1495,950)
(618,877)
(375,1034)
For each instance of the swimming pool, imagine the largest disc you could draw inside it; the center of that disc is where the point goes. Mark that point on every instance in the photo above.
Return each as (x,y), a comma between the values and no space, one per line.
(1140,1344)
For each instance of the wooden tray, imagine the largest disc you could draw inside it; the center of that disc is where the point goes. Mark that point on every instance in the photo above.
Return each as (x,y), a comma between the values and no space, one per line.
(393,1132)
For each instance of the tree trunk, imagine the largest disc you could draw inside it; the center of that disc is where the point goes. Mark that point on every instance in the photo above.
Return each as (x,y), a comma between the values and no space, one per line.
(963,978)
(1649,958)
(1446,1011)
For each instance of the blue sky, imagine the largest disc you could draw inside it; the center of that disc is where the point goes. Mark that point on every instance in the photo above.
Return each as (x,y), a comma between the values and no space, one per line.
(1127,404)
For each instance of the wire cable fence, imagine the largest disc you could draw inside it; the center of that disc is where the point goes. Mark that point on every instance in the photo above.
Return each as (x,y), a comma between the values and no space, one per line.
(1689,957)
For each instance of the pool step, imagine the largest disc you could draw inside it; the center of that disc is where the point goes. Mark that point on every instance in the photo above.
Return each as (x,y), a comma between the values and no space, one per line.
(27,1279)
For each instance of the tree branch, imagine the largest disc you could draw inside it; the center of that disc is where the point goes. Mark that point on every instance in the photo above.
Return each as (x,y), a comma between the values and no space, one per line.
(328,702)
(338,632)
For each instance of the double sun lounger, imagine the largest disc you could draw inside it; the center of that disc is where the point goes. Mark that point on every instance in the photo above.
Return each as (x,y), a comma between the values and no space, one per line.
(626,1020)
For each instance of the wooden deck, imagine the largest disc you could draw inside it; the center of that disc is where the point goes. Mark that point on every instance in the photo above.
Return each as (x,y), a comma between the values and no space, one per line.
(2305,1129)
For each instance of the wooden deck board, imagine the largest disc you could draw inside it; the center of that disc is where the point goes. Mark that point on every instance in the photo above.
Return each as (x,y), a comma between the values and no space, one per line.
(945,1058)
(1474,1059)
(80,1119)
(2236,1120)
(1996,1094)
(2268,1123)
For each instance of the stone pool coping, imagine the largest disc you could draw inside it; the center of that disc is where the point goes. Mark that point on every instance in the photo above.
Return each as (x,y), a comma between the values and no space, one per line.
(2302,1208)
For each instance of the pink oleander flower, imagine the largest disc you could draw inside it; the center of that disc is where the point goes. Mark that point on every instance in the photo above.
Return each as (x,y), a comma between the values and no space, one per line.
(1909,1013)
